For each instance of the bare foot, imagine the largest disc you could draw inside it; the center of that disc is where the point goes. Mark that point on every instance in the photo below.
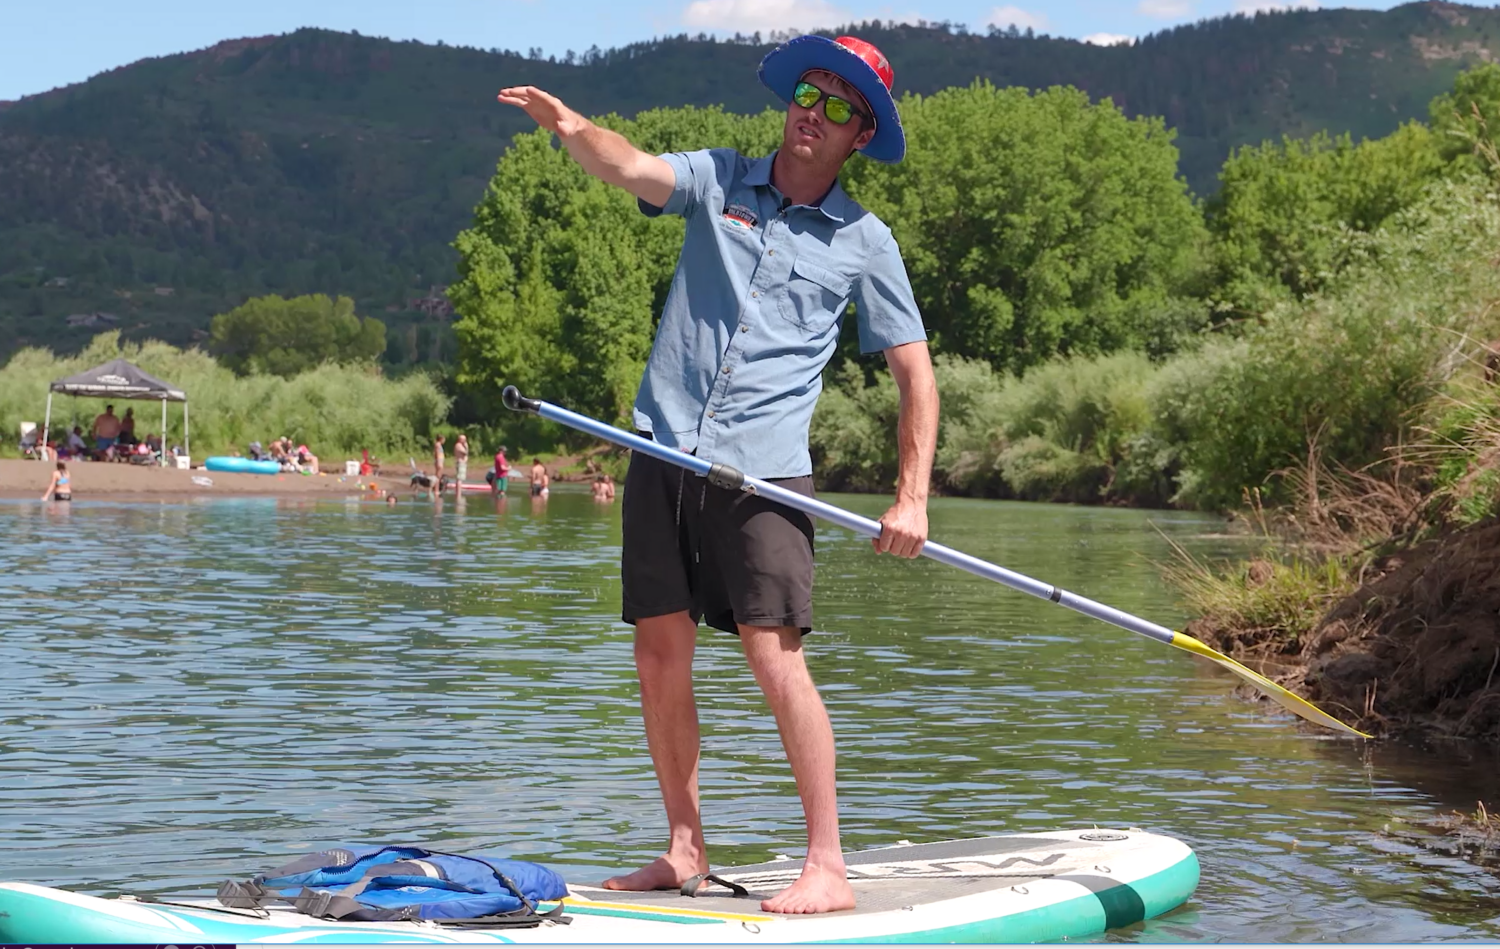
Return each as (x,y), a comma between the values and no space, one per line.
(664,873)
(817,890)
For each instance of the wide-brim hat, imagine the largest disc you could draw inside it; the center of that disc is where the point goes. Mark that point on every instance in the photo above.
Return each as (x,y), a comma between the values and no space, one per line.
(856,62)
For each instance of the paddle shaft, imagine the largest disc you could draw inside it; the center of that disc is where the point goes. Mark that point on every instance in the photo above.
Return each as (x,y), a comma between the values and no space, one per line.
(727,477)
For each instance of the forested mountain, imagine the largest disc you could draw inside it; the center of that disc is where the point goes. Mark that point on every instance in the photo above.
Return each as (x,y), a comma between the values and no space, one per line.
(344,164)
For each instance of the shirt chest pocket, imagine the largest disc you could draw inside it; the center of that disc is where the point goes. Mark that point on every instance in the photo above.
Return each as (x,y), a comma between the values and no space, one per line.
(815,296)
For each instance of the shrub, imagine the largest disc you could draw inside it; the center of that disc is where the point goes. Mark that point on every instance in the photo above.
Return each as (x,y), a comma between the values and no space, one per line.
(336,410)
(1347,368)
(1061,432)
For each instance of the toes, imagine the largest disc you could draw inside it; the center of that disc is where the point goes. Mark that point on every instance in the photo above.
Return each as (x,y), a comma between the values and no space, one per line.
(791,906)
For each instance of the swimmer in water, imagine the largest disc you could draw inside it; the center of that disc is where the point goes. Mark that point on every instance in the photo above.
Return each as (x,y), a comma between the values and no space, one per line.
(60,487)
(540,480)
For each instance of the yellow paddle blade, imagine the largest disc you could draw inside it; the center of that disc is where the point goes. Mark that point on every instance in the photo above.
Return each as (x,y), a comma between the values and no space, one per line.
(1292,703)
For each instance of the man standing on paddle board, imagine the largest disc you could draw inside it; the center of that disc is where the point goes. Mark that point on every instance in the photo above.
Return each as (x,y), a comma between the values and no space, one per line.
(774,251)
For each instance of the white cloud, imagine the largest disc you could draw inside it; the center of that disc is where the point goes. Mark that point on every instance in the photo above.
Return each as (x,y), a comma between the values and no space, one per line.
(1015,16)
(1263,6)
(1109,39)
(1166,9)
(750,16)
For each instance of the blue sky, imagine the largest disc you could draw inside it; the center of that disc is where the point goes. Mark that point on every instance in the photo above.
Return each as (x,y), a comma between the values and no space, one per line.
(48,44)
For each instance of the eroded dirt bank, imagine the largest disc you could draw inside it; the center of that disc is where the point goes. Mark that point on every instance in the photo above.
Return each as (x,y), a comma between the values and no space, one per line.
(1415,648)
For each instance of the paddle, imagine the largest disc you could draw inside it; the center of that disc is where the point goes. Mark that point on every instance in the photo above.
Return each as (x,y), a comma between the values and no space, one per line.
(726,477)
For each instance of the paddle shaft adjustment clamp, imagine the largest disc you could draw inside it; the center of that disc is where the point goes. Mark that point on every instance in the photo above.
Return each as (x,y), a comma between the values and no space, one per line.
(726,476)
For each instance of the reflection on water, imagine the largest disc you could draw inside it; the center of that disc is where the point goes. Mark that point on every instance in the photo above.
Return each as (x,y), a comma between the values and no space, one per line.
(196,690)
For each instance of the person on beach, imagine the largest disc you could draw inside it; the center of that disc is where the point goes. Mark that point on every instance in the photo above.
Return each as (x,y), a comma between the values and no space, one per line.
(540,482)
(60,488)
(127,427)
(77,447)
(306,460)
(437,462)
(774,250)
(461,461)
(38,445)
(106,430)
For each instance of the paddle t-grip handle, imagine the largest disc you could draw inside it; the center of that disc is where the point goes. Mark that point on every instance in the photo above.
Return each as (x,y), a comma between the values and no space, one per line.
(516,402)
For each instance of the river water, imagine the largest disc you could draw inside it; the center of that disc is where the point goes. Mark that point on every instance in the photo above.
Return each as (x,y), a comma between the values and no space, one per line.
(196,691)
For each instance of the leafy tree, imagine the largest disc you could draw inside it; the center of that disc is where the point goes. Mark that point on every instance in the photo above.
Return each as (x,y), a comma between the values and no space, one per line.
(278,336)
(1033,225)
(1467,119)
(1284,214)
(562,278)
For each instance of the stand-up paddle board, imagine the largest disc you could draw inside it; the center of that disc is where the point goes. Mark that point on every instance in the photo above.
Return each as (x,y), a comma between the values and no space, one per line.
(1012,888)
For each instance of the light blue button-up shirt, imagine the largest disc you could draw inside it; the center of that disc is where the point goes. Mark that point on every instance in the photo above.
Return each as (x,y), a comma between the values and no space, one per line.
(755,310)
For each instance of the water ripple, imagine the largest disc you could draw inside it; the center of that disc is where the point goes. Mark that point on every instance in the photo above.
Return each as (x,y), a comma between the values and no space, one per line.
(195,691)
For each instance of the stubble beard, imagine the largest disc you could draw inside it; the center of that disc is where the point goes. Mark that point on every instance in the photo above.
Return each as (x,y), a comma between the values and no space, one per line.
(813,155)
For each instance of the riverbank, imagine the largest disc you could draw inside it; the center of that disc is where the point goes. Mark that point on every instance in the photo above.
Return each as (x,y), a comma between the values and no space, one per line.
(1413,648)
(28,479)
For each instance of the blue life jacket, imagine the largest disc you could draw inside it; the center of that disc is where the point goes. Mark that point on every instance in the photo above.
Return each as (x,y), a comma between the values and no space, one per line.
(387,883)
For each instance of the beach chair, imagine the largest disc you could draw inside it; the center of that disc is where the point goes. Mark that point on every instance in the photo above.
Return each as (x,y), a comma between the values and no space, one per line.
(29,435)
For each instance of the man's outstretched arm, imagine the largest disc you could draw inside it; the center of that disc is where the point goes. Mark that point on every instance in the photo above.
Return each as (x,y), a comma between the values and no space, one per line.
(904,526)
(606,155)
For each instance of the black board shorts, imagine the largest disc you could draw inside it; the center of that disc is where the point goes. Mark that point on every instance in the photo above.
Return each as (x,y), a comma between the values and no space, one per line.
(726,557)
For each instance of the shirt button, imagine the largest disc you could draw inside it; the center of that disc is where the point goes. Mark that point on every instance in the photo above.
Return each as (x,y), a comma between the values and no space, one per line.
(744,327)
(770,253)
(755,293)
(726,370)
(710,413)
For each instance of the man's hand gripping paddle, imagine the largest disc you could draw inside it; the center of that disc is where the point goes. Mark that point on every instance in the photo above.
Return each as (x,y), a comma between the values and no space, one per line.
(726,477)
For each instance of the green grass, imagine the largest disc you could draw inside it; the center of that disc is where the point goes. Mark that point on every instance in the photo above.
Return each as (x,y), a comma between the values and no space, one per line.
(1284,597)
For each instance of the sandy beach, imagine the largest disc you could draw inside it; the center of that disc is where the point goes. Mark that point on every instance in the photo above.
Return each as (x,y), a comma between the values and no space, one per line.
(28,479)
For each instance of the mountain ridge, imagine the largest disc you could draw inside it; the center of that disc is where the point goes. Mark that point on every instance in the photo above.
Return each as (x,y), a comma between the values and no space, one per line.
(334,162)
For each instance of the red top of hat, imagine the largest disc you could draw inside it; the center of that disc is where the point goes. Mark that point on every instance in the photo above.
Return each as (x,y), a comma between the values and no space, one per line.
(874,57)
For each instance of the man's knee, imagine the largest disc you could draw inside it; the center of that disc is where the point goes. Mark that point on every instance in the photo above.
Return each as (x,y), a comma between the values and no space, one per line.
(664,642)
(774,653)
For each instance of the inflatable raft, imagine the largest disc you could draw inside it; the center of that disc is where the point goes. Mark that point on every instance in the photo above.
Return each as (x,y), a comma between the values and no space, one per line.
(242,465)
(1042,887)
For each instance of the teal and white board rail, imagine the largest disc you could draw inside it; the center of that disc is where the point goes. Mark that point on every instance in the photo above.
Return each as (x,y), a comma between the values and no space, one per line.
(1013,888)
(725,476)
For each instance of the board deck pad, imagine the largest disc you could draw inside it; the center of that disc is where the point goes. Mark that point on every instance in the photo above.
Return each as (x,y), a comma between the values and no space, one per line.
(1010,888)
(890,878)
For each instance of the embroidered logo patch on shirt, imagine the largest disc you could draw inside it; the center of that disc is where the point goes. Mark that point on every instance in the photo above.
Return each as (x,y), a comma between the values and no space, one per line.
(740,216)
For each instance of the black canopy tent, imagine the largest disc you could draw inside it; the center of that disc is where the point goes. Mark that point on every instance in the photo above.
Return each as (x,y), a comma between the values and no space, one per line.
(119,379)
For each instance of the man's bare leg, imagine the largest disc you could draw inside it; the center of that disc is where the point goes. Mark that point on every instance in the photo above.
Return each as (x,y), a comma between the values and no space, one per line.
(664,663)
(776,659)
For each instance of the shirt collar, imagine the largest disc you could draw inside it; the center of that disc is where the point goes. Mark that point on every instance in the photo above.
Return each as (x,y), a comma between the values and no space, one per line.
(834,204)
